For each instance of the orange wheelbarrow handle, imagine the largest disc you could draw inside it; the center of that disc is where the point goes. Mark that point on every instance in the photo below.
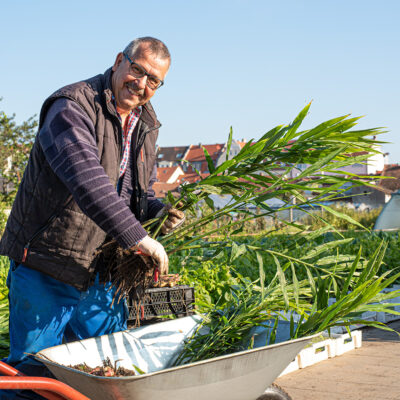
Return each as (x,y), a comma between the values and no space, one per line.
(50,389)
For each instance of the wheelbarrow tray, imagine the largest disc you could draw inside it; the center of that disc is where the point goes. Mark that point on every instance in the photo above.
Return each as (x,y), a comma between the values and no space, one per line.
(239,376)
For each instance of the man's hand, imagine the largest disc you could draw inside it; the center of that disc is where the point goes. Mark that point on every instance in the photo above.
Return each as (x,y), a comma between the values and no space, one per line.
(175,219)
(155,250)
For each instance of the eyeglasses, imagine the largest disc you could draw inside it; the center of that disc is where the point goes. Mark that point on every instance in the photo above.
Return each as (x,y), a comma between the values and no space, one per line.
(139,72)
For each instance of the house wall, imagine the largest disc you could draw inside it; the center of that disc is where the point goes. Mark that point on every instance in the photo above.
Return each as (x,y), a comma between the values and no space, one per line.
(376,162)
(234,150)
(174,177)
(164,164)
(368,196)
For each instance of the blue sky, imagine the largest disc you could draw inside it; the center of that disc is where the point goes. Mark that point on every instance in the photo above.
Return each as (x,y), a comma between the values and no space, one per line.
(246,64)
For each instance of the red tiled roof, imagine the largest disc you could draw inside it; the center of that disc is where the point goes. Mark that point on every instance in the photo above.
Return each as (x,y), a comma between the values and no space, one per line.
(192,177)
(390,185)
(163,174)
(161,189)
(171,153)
(358,153)
(196,153)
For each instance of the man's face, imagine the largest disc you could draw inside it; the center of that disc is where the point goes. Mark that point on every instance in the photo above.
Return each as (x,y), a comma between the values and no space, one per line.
(131,92)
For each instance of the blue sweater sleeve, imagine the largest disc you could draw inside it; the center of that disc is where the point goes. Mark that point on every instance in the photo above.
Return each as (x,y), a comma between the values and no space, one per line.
(69,144)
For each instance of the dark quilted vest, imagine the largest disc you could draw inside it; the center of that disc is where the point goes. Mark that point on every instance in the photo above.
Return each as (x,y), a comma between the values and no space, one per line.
(47,230)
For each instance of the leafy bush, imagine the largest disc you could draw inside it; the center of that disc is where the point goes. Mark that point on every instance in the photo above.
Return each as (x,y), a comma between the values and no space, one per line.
(4,207)
(212,280)
(15,145)
(4,311)
(213,272)
(229,325)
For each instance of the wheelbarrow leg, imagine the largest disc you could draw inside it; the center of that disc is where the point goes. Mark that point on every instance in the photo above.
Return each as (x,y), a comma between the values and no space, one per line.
(50,389)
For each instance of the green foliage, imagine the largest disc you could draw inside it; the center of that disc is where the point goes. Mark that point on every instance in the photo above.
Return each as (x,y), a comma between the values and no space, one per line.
(250,179)
(299,282)
(15,145)
(4,312)
(303,246)
(213,281)
(213,267)
(365,218)
(313,221)
(4,207)
(367,241)
(227,326)
(260,278)
(361,291)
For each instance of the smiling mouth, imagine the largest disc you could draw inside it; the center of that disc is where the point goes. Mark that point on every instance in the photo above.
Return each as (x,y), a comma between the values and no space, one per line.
(134,92)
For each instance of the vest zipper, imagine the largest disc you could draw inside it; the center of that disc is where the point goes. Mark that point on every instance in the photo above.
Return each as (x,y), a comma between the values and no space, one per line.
(37,233)
(139,143)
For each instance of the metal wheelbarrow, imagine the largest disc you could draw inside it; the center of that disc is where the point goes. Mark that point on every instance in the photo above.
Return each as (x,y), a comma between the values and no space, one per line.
(243,375)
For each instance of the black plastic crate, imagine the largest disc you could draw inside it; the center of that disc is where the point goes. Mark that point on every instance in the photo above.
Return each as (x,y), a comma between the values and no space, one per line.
(158,302)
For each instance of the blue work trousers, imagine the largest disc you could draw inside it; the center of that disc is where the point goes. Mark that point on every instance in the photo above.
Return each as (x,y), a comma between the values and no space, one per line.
(44,312)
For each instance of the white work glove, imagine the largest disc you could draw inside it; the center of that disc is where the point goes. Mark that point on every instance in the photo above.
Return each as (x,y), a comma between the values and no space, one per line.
(155,250)
(175,219)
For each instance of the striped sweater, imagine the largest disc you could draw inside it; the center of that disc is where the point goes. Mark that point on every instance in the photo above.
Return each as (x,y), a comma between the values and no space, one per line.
(68,140)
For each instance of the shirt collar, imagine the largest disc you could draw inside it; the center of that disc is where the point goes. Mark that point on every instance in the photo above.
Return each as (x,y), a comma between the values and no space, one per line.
(137,110)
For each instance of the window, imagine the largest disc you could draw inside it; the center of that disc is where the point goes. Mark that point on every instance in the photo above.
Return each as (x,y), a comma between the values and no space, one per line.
(197,164)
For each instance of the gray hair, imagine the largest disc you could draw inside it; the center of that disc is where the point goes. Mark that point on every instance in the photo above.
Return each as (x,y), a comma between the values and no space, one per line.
(155,46)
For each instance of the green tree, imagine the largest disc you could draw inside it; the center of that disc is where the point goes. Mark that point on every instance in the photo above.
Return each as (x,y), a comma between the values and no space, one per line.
(15,145)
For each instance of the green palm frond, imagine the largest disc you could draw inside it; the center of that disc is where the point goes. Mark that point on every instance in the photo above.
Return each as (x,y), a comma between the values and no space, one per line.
(251,177)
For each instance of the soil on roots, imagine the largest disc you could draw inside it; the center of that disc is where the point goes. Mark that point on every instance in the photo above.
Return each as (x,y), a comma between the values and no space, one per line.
(129,272)
(107,369)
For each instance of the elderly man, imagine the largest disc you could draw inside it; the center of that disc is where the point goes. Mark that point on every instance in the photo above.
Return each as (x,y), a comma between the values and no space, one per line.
(89,176)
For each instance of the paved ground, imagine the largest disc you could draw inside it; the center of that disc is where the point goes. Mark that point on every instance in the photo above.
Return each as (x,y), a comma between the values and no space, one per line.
(370,372)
